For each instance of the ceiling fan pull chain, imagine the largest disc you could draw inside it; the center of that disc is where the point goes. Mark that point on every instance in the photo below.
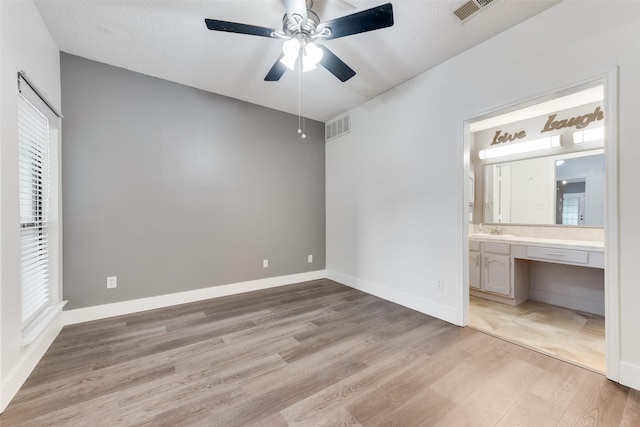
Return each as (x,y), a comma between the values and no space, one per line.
(300,99)
(303,136)
(299,96)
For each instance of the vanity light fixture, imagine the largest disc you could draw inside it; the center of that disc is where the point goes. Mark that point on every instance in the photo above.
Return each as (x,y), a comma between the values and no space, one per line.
(588,135)
(522,147)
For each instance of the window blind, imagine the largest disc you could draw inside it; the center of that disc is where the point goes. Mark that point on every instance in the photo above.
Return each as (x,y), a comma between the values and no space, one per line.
(34,168)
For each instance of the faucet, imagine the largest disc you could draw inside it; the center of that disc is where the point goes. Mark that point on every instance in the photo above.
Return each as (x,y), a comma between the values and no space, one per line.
(495,231)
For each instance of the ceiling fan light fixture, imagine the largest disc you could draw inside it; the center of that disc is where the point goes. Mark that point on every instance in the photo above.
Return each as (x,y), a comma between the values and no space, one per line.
(303,24)
(291,50)
(294,49)
(312,55)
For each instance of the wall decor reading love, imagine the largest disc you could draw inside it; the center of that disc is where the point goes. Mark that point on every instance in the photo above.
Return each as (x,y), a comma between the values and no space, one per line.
(579,122)
(501,138)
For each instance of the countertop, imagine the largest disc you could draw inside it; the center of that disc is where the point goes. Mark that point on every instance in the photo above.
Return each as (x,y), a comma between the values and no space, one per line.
(584,245)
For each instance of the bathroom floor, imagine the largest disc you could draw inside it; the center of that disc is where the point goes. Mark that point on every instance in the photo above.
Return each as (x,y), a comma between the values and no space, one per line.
(570,335)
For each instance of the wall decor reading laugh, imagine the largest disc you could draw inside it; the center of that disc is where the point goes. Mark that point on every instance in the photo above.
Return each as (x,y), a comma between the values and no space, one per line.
(580,122)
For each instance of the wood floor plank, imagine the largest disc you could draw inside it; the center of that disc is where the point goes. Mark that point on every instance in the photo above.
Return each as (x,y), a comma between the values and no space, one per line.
(598,402)
(343,356)
(172,403)
(393,400)
(470,375)
(307,354)
(631,415)
(333,416)
(485,397)
(426,407)
(532,410)
(85,390)
(388,362)
(559,384)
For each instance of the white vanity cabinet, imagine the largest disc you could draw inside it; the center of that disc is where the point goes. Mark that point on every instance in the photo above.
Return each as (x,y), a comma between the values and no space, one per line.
(490,267)
(492,274)
(496,272)
(475,263)
(501,268)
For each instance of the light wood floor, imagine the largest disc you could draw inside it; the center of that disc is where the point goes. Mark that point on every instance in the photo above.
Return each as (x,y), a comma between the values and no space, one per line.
(570,335)
(316,353)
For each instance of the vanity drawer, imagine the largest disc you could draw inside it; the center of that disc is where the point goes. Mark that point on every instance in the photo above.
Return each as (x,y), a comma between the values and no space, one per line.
(558,255)
(496,248)
(474,245)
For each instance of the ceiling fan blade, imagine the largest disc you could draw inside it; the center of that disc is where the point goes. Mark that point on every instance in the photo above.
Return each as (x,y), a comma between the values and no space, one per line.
(234,27)
(296,7)
(276,71)
(335,65)
(360,22)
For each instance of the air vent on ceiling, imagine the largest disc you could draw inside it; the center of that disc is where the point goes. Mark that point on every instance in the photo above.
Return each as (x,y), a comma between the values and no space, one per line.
(468,9)
(337,127)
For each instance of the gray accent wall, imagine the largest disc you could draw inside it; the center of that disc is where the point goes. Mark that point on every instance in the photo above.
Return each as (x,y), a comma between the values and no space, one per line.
(172,188)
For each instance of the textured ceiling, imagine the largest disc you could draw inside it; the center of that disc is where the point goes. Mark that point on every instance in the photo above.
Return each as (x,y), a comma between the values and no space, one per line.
(169,40)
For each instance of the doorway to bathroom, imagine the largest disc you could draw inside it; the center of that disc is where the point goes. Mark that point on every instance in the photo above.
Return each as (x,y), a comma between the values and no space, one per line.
(540,195)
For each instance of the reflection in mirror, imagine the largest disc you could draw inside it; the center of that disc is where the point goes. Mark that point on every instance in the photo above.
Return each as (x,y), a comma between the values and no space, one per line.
(563,189)
(580,184)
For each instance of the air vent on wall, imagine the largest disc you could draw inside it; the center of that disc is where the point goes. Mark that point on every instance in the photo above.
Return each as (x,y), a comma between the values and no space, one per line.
(468,9)
(337,127)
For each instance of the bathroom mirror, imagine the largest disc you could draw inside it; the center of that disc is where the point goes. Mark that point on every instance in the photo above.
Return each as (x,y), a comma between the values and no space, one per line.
(565,189)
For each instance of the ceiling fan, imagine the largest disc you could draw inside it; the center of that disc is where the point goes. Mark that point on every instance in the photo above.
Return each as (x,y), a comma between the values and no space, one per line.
(301,28)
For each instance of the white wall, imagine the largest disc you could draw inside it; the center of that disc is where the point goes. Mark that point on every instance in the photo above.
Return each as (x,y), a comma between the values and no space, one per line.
(570,286)
(25,45)
(394,185)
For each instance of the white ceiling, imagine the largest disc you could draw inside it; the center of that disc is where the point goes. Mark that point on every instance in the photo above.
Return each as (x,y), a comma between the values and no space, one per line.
(169,40)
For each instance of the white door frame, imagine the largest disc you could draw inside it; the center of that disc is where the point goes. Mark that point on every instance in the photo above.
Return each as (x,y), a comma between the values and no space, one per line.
(611,229)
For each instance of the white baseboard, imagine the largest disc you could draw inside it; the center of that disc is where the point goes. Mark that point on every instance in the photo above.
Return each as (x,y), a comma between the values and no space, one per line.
(104,311)
(567,301)
(31,355)
(630,375)
(411,301)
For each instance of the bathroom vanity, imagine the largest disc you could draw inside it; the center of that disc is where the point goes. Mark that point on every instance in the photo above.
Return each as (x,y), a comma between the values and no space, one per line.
(499,265)
(530,177)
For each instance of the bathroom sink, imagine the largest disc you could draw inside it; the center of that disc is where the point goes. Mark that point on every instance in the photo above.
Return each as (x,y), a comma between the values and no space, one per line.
(490,236)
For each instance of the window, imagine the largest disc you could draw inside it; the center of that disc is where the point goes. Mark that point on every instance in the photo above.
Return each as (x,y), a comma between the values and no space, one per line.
(570,210)
(34,181)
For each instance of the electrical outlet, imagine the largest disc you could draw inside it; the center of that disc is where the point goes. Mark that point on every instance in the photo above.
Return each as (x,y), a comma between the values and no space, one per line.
(112,282)
(440,285)
(309,258)
(265,263)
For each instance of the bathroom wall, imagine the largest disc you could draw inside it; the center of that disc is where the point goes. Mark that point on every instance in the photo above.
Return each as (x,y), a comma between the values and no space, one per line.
(579,288)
